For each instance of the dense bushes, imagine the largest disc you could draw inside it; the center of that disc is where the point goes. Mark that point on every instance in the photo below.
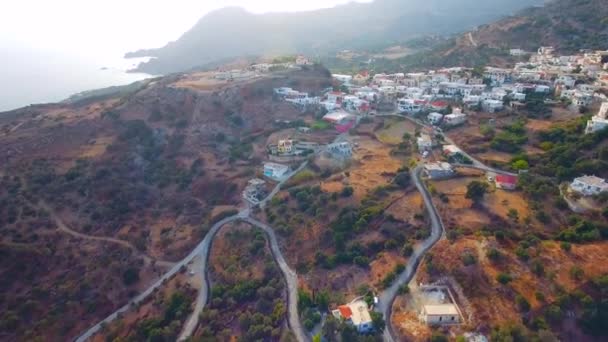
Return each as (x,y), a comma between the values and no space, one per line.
(256,302)
(568,152)
(511,139)
(168,327)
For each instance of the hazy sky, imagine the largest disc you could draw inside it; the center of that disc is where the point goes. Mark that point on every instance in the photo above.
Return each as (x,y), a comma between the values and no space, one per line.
(113,27)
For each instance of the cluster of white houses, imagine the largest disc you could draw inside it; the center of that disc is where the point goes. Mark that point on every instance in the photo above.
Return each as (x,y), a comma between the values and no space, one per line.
(491,89)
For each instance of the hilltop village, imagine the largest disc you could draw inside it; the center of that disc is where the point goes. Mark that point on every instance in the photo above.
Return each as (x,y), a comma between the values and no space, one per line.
(277,201)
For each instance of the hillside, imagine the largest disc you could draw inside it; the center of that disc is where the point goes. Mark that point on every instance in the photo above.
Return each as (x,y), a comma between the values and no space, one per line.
(102,194)
(568,25)
(352,26)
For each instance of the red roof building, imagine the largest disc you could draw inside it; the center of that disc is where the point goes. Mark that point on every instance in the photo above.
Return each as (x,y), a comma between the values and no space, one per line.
(439,105)
(506,182)
(345,311)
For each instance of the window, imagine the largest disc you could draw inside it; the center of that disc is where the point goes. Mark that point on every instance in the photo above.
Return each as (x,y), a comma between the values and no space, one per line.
(453,318)
(440,318)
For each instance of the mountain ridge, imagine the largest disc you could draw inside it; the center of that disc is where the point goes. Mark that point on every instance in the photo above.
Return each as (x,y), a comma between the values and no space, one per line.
(350,26)
(567,25)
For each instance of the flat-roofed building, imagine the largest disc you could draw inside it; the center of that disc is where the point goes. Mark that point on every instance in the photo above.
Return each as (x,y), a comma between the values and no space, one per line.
(440,314)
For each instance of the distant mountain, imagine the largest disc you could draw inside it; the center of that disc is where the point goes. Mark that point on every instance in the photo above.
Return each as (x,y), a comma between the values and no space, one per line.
(568,25)
(233,32)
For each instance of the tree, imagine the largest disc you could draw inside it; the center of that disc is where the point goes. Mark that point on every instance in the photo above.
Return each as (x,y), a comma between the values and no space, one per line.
(347,191)
(330,327)
(476,190)
(520,165)
(130,276)
(522,303)
(407,249)
(468,259)
(493,254)
(438,337)
(378,321)
(402,179)
(577,273)
(504,278)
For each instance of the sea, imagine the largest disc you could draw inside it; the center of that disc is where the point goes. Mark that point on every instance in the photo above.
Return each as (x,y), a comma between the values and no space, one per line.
(29,76)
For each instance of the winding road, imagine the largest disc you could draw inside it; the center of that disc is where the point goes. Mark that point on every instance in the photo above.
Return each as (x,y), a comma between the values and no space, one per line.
(387,297)
(291,278)
(203,296)
(165,277)
(202,250)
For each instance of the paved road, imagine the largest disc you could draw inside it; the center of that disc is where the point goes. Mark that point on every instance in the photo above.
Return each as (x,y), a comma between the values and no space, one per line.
(203,296)
(291,278)
(477,164)
(277,188)
(141,297)
(387,297)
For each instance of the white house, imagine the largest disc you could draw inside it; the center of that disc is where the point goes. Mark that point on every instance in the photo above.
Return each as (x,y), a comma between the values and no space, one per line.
(283,91)
(340,149)
(357,314)
(438,170)
(518,96)
(435,118)
(589,185)
(603,113)
(454,119)
(472,100)
(335,96)
(409,106)
(497,75)
(343,78)
(492,106)
(596,124)
(539,88)
(566,81)
(517,52)
(275,171)
(441,314)
(425,143)
(301,60)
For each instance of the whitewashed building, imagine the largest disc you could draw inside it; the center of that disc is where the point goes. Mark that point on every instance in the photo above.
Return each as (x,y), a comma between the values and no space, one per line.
(275,171)
(438,170)
(492,106)
(424,142)
(441,314)
(589,185)
(454,119)
(435,118)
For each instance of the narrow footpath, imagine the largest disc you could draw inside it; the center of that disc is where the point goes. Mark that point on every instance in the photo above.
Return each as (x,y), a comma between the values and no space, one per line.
(63,227)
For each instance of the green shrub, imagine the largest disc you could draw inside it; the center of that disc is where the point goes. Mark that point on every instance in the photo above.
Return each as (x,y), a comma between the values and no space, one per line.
(504,278)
